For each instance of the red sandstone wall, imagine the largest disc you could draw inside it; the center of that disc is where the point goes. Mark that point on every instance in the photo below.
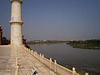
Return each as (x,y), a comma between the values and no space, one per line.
(0,35)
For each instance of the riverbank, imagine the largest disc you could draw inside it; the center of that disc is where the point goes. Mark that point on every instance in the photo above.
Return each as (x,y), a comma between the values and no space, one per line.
(83,60)
(86,44)
(64,65)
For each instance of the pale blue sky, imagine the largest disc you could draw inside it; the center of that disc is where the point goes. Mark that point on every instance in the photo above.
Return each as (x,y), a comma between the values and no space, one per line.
(55,19)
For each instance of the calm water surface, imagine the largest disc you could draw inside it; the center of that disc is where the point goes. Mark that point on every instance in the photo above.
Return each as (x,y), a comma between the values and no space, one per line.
(83,59)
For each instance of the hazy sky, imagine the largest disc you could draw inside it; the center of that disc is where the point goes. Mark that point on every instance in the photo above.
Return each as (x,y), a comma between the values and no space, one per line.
(55,19)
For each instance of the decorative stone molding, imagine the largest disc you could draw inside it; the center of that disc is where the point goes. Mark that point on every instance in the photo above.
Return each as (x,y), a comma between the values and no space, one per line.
(20,22)
(21,1)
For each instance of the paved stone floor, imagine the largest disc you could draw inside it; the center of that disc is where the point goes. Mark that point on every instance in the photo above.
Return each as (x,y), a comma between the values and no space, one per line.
(7,61)
(25,62)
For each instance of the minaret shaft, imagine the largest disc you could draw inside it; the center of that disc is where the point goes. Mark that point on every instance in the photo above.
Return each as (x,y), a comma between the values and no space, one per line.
(16,11)
(16,22)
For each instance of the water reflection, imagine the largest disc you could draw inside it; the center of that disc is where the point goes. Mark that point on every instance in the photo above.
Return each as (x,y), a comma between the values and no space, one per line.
(44,44)
(84,59)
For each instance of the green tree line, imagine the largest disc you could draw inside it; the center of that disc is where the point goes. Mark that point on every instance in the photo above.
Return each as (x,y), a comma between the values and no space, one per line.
(87,44)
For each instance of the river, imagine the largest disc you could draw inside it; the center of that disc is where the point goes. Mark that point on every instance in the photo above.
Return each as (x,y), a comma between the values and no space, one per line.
(82,59)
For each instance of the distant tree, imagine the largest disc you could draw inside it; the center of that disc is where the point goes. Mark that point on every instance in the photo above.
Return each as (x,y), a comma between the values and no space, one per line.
(5,41)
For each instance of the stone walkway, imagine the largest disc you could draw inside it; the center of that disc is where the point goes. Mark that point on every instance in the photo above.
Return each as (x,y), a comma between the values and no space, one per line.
(24,60)
(7,61)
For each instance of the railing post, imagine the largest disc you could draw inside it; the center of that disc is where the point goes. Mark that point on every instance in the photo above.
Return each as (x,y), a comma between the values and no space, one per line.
(42,57)
(16,73)
(27,49)
(50,62)
(17,66)
(73,71)
(55,65)
(31,51)
(16,56)
(36,54)
(16,60)
(86,74)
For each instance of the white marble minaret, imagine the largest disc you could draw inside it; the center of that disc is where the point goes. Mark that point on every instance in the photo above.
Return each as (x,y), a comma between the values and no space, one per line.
(16,22)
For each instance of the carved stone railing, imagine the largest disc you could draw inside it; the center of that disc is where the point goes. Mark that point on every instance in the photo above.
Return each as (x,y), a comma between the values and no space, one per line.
(58,69)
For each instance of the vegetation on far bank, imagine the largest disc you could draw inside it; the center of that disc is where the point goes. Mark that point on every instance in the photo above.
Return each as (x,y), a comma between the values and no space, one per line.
(42,42)
(86,44)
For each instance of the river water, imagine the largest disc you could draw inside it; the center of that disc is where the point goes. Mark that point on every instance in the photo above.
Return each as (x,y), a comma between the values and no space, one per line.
(83,59)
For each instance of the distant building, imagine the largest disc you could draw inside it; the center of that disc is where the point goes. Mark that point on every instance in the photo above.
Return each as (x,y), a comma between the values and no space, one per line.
(0,35)
(24,40)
